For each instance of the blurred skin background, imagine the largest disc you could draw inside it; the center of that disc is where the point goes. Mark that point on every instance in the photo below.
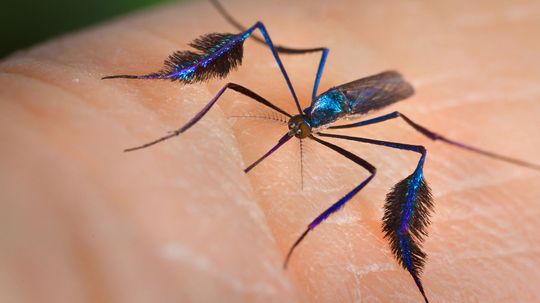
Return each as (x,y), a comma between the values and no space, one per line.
(46,19)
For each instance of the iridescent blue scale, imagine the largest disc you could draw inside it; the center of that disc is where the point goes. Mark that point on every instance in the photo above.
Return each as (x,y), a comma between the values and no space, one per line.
(328,108)
(357,97)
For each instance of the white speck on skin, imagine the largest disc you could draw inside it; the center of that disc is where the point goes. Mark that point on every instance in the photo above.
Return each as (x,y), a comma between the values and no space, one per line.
(361,272)
(75,80)
(357,290)
(344,218)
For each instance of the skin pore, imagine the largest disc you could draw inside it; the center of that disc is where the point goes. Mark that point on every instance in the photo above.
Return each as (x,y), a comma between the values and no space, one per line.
(81,221)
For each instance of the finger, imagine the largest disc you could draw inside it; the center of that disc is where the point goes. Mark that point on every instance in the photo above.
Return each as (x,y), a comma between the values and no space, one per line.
(358,263)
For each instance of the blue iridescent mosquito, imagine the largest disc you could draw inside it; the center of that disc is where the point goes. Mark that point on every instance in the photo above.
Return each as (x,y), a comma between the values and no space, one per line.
(408,204)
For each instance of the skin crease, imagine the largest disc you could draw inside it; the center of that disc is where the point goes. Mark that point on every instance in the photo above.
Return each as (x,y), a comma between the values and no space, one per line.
(80,221)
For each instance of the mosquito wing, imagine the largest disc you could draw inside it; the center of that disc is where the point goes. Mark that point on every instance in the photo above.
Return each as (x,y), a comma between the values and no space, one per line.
(359,97)
(375,92)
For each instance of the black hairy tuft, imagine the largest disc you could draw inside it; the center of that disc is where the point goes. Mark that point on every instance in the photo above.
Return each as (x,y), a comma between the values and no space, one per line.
(411,239)
(215,56)
(225,52)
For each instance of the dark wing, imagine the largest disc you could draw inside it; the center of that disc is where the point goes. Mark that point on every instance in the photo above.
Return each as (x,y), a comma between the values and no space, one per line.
(216,55)
(375,92)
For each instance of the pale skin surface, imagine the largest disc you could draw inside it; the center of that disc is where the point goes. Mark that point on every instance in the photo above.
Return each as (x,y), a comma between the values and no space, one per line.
(80,221)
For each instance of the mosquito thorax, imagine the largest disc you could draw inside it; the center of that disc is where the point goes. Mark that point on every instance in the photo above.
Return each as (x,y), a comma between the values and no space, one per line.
(299,127)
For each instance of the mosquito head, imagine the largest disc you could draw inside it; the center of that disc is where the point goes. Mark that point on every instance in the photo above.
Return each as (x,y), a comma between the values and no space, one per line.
(299,127)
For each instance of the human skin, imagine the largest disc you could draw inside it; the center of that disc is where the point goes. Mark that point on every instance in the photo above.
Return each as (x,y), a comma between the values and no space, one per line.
(81,221)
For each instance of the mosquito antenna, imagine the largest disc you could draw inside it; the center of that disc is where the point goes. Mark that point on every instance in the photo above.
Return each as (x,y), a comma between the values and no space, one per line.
(273,117)
(302,164)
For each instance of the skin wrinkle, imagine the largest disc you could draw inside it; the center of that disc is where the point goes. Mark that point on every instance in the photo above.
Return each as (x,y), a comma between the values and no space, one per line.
(62,209)
(470,184)
(22,74)
(179,253)
(518,282)
(46,85)
(31,74)
(257,214)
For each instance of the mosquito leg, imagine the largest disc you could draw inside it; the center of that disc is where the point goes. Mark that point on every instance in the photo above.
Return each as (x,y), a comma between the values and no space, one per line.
(437,137)
(280,49)
(415,148)
(341,202)
(198,116)
(407,211)
(281,141)
(259,25)
(229,48)
(320,69)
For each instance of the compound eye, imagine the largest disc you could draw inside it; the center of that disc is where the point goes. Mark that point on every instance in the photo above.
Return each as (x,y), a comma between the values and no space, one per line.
(292,125)
(298,131)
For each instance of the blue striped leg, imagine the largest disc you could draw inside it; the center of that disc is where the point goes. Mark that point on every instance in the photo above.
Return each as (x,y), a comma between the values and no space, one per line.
(259,25)
(236,87)
(407,211)
(437,137)
(280,49)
